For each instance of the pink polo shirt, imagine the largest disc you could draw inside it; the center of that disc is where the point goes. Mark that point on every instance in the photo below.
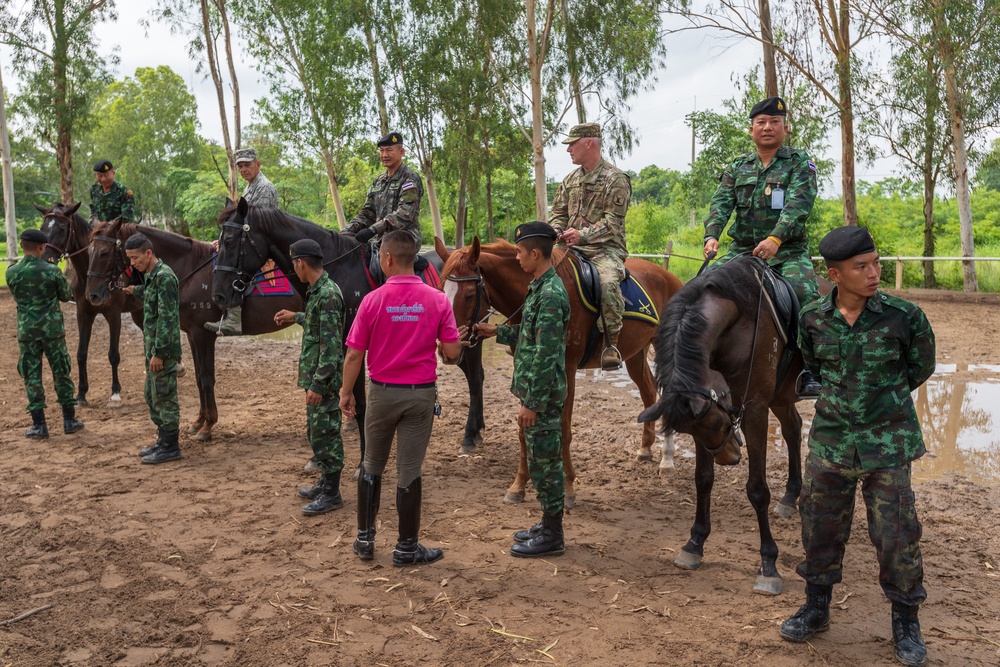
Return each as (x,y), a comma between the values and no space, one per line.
(399,325)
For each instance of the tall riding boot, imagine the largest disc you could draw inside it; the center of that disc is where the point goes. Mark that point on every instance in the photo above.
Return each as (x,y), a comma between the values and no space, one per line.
(169,450)
(146,451)
(70,423)
(231,325)
(906,638)
(611,358)
(408,549)
(329,497)
(548,541)
(369,496)
(812,617)
(39,429)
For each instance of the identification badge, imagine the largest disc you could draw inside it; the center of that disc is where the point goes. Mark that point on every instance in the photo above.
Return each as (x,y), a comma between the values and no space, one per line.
(778,199)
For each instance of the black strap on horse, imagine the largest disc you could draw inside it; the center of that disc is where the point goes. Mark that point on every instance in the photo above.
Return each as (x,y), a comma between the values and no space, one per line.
(708,258)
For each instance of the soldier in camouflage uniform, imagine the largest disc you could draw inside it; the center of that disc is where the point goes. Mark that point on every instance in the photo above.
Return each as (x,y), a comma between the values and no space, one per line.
(872,350)
(109,199)
(539,382)
(37,288)
(772,191)
(393,200)
(161,334)
(588,213)
(321,366)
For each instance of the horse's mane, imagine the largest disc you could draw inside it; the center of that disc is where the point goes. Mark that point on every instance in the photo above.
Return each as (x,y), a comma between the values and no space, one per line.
(127,229)
(459,261)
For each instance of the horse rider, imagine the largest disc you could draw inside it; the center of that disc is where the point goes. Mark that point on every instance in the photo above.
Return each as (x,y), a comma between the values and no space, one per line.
(109,199)
(37,287)
(588,213)
(259,191)
(772,190)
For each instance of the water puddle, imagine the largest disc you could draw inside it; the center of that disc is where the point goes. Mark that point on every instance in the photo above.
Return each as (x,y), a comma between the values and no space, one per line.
(292,333)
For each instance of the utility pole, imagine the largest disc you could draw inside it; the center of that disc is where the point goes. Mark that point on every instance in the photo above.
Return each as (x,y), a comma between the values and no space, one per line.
(8,178)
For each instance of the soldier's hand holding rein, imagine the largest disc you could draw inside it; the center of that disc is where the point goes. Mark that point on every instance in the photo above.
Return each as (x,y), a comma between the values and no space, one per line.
(711,245)
(766,249)
(570,237)
(484,329)
(128,289)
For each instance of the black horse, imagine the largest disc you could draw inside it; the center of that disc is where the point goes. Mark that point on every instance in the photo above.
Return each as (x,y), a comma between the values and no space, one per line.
(718,357)
(69,237)
(250,235)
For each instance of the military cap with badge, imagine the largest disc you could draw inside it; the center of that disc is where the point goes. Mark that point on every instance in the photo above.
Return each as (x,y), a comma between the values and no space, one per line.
(104,166)
(391,139)
(535,229)
(583,131)
(772,106)
(846,242)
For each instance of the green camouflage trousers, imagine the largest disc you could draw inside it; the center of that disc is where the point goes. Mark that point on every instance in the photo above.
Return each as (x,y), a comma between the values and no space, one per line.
(611,271)
(323,431)
(29,367)
(827,508)
(161,397)
(797,270)
(543,443)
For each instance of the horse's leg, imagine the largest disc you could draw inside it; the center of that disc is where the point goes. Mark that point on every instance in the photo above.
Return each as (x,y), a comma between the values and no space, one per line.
(85,324)
(114,319)
(755,432)
(791,431)
(207,373)
(691,553)
(667,453)
(199,421)
(472,366)
(515,492)
(567,439)
(638,370)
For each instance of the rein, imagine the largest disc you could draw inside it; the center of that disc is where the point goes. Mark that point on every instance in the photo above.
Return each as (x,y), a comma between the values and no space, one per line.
(62,251)
(114,278)
(481,294)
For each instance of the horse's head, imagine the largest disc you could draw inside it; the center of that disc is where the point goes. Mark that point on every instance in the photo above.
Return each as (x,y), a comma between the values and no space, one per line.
(58,223)
(243,249)
(108,262)
(462,282)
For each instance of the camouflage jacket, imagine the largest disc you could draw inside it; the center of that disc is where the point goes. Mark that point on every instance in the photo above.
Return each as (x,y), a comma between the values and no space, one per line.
(161,328)
(594,202)
(868,371)
(321,362)
(119,201)
(393,202)
(540,356)
(37,288)
(261,192)
(747,186)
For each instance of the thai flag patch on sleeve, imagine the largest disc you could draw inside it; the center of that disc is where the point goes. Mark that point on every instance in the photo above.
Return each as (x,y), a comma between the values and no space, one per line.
(812,165)
(409,185)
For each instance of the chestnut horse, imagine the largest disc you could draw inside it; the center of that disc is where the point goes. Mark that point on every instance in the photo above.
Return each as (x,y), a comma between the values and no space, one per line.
(481,276)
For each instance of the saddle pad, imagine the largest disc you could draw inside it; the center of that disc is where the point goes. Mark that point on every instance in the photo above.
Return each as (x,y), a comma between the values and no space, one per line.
(277,284)
(638,304)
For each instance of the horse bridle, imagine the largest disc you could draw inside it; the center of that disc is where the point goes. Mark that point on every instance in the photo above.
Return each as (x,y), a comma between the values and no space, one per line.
(119,265)
(481,296)
(63,254)
(240,283)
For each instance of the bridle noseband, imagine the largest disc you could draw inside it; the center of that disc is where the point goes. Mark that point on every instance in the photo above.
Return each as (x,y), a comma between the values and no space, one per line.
(63,254)
(242,279)
(714,399)
(119,264)
(481,295)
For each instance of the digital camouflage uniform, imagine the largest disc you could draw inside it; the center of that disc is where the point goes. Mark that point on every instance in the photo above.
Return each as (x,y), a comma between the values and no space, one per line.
(161,334)
(747,187)
(118,201)
(37,288)
(865,430)
(539,382)
(393,202)
(321,369)
(261,192)
(596,202)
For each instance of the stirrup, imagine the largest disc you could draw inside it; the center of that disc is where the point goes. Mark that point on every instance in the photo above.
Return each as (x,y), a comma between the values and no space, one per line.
(617,362)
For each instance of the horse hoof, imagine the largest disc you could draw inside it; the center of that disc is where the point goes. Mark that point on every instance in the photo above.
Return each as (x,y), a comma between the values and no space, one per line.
(569,502)
(687,560)
(194,428)
(478,440)
(467,449)
(82,402)
(115,403)
(784,511)
(514,497)
(202,436)
(664,470)
(644,454)
(767,585)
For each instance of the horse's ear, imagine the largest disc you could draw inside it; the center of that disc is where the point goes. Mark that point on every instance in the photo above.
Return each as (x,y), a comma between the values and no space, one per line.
(76,207)
(229,202)
(41,209)
(441,249)
(242,207)
(652,413)
(474,250)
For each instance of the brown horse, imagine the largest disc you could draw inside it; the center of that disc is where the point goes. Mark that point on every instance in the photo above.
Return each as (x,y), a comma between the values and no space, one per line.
(477,277)
(717,361)
(192,262)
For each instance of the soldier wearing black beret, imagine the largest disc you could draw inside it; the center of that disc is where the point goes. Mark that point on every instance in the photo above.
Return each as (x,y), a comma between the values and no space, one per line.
(109,199)
(845,242)
(34,236)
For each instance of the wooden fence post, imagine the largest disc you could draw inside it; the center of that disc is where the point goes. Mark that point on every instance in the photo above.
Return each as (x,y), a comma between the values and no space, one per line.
(666,254)
(899,274)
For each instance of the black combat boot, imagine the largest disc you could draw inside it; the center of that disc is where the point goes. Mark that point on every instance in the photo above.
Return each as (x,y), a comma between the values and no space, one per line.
(527,533)
(809,386)
(369,495)
(39,429)
(548,541)
(310,492)
(146,451)
(408,550)
(812,617)
(169,450)
(70,423)
(328,498)
(906,637)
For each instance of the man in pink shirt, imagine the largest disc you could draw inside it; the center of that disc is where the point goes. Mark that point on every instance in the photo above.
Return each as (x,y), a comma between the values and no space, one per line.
(400,325)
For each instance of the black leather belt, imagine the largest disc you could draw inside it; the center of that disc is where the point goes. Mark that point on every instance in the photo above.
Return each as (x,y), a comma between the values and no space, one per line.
(393,385)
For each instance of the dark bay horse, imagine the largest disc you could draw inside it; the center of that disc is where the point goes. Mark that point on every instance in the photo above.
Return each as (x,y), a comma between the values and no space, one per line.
(478,276)
(69,237)
(192,262)
(251,235)
(717,357)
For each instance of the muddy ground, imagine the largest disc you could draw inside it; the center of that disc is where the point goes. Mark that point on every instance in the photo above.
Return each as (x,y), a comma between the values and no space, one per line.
(208,561)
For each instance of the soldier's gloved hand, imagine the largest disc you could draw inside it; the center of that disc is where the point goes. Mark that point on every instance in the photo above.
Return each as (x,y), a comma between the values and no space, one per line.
(349,231)
(365,235)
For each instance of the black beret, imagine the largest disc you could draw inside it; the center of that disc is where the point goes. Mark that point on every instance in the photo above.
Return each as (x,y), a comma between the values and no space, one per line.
(534,229)
(846,242)
(103,166)
(772,106)
(305,248)
(391,139)
(34,236)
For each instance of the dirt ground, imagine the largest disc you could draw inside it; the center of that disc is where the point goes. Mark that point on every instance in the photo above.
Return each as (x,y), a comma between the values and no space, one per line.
(208,561)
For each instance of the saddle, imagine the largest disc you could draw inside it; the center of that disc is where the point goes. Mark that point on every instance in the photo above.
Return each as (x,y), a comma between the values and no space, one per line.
(783,304)
(376,276)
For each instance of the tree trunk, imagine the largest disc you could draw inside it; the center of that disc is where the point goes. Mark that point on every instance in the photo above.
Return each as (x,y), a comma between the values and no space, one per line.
(490,231)
(427,167)
(331,176)
(61,111)
(537,143)
(227,42)
(8,178)
(213,67)
(846,112)
(462,211)
(766,36)
(929,280)
(574,71)
(383,112)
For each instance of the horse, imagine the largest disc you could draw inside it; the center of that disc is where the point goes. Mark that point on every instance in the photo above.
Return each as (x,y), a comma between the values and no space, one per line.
(479,277)
(250,235)
(191,260)
(718,358)
(69,238)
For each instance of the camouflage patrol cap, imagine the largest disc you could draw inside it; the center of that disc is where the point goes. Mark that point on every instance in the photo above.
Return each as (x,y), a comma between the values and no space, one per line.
(103,166)
(34,236)
(772,106)
(305,248)
(846,242)
(391,139)
(245,155)
(583,131)
(534,229)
